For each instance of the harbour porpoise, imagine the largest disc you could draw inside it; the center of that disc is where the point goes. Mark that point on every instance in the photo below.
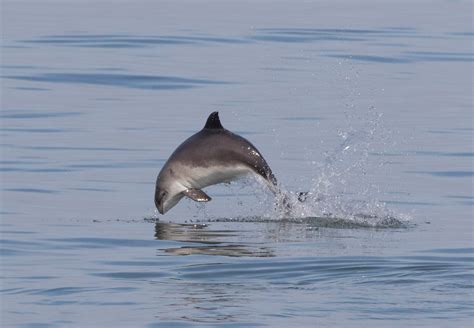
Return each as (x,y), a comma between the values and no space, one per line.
(211,156)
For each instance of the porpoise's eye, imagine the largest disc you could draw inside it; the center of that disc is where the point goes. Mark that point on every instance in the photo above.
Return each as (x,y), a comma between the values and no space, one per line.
(163,194)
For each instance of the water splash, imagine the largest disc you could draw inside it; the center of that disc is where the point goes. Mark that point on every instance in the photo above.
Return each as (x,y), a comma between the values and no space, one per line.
(341,188)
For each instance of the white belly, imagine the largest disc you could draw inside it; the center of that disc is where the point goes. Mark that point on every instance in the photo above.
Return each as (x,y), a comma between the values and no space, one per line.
(201,177)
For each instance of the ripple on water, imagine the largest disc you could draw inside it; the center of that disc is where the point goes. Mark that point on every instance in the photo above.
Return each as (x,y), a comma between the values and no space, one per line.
(306,272)
(27,115)
(130,40)
(446,174)
(134,81)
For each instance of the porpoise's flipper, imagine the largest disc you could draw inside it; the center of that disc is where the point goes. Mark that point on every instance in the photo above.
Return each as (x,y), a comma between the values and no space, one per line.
(197,195)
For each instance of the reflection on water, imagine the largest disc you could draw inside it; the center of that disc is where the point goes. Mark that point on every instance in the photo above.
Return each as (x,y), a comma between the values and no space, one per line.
(188,232)
(215,241)
(221,250)
(260,237)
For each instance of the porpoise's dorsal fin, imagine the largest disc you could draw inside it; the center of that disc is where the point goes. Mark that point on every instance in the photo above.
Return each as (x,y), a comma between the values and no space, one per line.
(213,121)
(197,195)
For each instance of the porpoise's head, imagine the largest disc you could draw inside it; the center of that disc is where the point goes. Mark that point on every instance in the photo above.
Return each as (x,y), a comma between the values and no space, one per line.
(167,193)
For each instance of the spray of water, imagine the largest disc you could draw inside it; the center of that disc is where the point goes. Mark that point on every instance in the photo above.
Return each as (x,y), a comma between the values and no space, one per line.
(341,190)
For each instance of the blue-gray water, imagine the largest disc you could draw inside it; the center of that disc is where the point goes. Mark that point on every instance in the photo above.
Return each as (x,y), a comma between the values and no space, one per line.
(368,106)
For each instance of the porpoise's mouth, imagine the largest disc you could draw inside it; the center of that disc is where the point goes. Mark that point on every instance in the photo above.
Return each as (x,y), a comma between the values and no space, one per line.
(161,209)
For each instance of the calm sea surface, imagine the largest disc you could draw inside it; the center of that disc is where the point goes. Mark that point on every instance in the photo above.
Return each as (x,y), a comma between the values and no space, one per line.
(366,106)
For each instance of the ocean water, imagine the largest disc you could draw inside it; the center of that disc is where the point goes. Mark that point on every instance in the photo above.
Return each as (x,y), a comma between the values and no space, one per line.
(367,106)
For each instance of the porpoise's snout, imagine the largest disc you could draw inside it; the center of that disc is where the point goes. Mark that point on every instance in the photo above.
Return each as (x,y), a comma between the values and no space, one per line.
(160,196)
(160,209)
